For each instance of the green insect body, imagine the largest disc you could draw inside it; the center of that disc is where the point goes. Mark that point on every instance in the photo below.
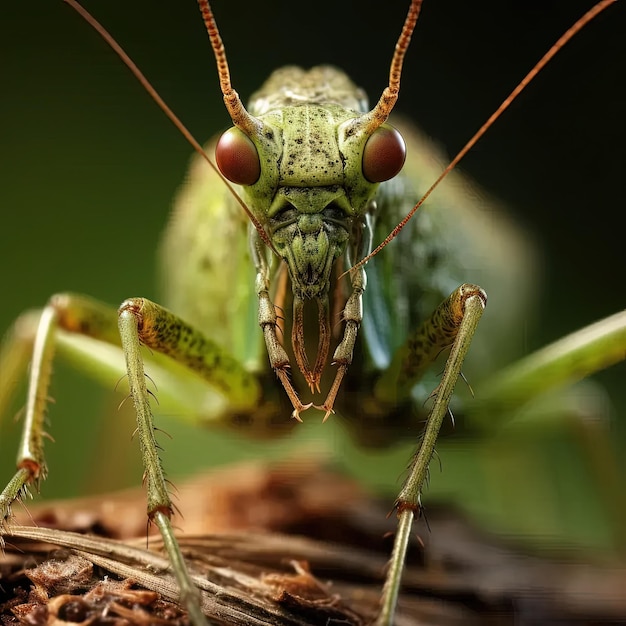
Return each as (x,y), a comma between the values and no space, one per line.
(317,171)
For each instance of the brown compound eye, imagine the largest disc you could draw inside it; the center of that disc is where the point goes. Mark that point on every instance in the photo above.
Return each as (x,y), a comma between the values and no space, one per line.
(383,154)
(237,157)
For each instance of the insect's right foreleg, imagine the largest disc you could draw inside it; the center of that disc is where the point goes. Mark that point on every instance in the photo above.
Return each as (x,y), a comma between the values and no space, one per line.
(268,321)
(142,321)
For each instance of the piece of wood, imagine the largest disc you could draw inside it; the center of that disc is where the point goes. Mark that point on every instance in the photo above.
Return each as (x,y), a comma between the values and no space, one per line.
(291,544)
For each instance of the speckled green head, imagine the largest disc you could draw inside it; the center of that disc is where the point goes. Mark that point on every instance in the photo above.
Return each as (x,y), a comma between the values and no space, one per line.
(302,168)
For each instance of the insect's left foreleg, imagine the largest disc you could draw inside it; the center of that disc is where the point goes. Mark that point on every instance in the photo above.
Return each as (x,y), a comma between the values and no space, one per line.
(454,321)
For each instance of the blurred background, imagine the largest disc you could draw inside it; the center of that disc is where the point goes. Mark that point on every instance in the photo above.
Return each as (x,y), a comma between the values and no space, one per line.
(90,164)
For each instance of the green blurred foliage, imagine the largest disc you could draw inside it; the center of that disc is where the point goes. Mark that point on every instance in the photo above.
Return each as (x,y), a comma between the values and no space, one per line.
(89,164)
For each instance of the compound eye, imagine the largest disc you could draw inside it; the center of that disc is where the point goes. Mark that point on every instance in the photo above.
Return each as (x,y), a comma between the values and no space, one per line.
(237,157)
(383,154)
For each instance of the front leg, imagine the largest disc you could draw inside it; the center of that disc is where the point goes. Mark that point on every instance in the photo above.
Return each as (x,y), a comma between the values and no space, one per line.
(454,322)
(268,321)
(142,321)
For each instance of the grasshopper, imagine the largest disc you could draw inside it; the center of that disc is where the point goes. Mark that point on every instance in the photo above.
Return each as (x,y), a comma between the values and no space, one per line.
(241,385)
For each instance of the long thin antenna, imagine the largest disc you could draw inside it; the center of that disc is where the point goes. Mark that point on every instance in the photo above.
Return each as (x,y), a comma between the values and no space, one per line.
(138,74)
(547,57)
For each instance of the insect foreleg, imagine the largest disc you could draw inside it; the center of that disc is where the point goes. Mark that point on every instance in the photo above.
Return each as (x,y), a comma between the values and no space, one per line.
(454,321)
(268,321)
(139,319)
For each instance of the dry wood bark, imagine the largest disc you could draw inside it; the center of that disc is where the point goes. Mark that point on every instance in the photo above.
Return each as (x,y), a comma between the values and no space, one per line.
(293,544)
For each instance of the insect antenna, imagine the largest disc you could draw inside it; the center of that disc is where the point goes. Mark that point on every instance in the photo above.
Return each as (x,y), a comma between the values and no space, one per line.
(379,114)
(240,117)
(138,74)
(547,57)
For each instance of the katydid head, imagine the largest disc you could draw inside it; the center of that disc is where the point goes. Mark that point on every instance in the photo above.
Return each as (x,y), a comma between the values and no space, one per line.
(309,171)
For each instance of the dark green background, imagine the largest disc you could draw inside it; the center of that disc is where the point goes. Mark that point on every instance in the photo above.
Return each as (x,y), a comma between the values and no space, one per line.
(89,164)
